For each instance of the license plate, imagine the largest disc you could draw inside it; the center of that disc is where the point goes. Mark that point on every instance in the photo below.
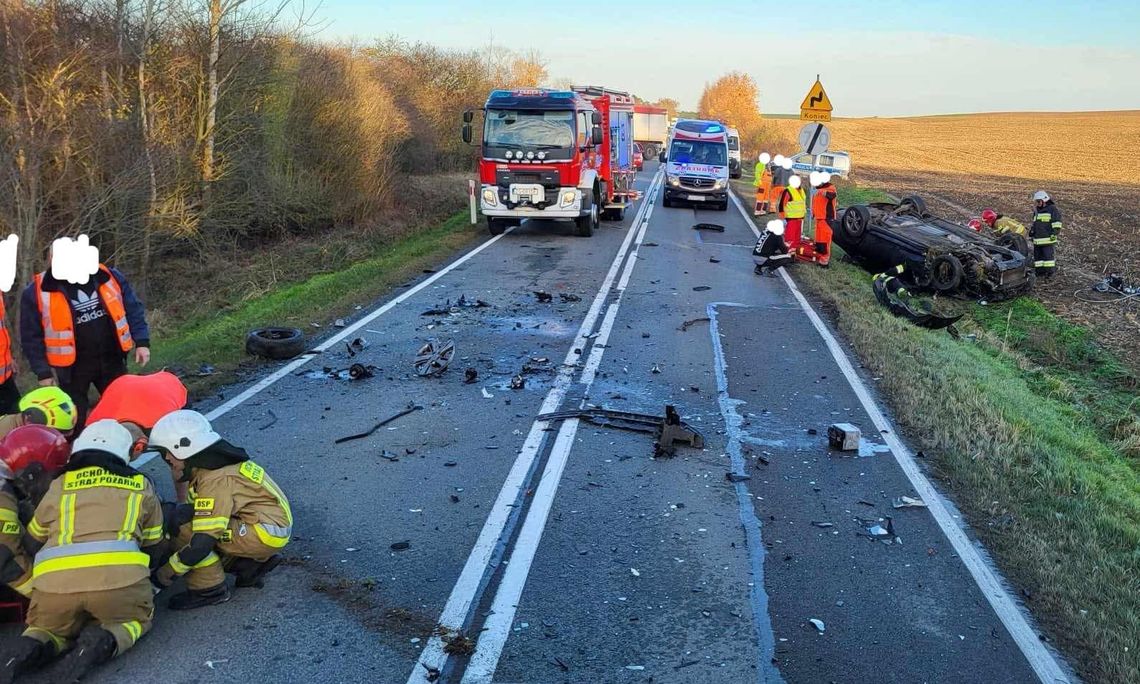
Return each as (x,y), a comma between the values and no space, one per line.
(696,198)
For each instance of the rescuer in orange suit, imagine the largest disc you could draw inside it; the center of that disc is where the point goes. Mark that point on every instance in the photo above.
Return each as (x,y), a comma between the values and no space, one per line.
(824,210)
(793,209)
(763,183)
(9,392)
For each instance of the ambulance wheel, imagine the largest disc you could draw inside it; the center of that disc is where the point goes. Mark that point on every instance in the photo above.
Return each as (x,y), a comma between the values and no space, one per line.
(275,343)
(588,221)
(668,202)
(723,206)
(496,226)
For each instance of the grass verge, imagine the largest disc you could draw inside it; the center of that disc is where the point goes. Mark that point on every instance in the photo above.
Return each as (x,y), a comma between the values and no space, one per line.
(219,340)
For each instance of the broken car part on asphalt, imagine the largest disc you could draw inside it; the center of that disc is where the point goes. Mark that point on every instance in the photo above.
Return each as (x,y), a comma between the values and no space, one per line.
(669,430)
(275,343)
(462,303)
(844,437)
(693,321)
(709,226)
(433,358)
(411,407)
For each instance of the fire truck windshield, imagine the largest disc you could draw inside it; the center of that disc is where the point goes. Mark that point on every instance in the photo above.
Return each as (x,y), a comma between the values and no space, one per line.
(540,129)
(698,152)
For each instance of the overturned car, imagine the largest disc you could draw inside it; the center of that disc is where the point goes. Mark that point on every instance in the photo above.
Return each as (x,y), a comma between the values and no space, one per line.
(937,254)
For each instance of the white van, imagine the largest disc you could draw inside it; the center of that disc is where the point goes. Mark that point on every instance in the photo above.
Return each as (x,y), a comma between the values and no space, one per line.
(735,170)
(696,164)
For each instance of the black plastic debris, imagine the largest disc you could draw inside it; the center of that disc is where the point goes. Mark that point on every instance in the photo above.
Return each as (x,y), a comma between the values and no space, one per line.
(434,357)
(701,288)
(411,408)
(518,382)
(737,477)
(359,371)
(691,322)
(569,298)
(389,456)
(543,297)
(401,546)
(470,376)
(709,226)
(714,260)
(876,531)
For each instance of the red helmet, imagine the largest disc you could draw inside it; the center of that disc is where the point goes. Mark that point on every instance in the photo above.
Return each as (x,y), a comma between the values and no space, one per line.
(989,216)
(30,444)
(975,224)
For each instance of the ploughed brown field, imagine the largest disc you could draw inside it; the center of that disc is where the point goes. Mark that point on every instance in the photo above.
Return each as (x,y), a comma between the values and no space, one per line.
(963,163)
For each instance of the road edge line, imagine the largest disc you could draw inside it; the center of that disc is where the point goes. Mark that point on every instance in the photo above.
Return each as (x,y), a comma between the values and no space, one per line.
(986,577)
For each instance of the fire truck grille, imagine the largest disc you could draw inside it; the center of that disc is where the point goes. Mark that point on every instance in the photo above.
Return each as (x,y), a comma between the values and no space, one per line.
(697,183)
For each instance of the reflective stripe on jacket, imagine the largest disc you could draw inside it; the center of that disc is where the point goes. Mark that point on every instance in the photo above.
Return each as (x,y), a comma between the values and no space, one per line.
(244,492)
(94,524)
(58,322)
(1046,224)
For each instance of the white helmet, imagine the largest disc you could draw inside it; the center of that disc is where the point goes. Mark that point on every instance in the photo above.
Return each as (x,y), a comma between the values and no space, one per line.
(824,178)
(1041,195)
(765,157)
(107,436)
(786,164)
(775,227)
(183,433)
(778,160)
(795,181)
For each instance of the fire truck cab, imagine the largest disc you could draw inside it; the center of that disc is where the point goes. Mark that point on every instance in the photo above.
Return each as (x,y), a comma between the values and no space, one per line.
(554,154)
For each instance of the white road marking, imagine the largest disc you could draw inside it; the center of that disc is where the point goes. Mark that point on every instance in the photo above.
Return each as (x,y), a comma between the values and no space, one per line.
(1040,658)
(471,578)
(497,627)
(266,382)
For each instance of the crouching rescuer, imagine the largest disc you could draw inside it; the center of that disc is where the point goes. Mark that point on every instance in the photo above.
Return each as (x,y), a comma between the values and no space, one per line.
(96,532)
(241,517)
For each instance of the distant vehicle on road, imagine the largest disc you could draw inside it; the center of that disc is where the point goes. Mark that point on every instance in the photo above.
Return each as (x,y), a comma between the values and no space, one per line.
(937,254)
(735,169)
(551,154)
(838,164)
(650,128)
(638,157)
(696,168)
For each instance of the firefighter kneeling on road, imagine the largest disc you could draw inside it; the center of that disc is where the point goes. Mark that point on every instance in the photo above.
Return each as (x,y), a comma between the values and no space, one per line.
(100,528)
(241,517)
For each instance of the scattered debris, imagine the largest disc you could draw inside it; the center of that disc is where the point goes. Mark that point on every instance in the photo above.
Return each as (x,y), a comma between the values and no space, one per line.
(564,667)
(454,498)
(737,477)
(272,420)
(569,298)
(411,408)
(691,322)
(668,430)
(433,358)
(818,624)
(470,376)
(432,673)
(357,345)
(650,244)
(457,644)
(685,663)
(388,455)
(918,310)
(637,668)
(544,297)
(655,370)
(518,382)
(877,532)
(401,545)
(824,525)
(908,502)
(709,226)
(844,437)
(450,464)
(714,260)
(645,336)
(486,394)
(359,371)
(812,431)
(635,572)
(339,323)
(206,369)
(462,303)
(701,288)
(211,663)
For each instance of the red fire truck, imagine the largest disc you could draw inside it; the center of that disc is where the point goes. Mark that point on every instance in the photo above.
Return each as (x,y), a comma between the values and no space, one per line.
(551,154)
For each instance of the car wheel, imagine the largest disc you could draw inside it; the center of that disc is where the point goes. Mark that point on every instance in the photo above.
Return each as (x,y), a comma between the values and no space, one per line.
(668,202)
(275,343)
(496,226)
(586,224)
(914,204)
(855,221)
(945,272)
(1013,241)
(723,206)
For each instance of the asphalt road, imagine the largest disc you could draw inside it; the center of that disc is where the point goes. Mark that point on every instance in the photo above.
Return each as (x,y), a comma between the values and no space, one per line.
(564,549)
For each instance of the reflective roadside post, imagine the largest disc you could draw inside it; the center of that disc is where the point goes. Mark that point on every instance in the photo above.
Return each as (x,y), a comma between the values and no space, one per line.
(471,199)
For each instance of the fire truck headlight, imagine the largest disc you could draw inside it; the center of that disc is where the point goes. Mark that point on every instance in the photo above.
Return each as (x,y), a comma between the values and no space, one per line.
(489,197)
(568,198)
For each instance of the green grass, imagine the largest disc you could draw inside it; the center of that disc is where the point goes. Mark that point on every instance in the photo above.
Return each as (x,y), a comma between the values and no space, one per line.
(1033,429)
(219,340)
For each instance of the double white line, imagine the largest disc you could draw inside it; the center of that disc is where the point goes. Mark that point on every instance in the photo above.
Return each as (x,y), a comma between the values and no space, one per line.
(478,568)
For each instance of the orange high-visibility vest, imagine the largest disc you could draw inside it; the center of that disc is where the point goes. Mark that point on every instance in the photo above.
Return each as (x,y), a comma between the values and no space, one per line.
(59,325)
(5,346)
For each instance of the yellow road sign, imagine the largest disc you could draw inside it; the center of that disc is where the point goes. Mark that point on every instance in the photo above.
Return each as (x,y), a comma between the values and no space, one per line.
(816,105)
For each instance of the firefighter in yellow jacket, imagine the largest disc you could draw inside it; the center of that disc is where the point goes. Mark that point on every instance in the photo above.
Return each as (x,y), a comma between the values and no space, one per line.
(241,517)
(97,530)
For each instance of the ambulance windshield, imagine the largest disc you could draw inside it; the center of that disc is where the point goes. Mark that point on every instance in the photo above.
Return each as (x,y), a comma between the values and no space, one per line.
(698,152)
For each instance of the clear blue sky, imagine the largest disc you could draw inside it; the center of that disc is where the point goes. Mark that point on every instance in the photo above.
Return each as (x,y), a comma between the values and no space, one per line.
(881,58)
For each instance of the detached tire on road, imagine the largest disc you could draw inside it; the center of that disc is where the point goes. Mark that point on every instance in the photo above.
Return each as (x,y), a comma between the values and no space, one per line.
(855,222)
(945,272)
(275,343)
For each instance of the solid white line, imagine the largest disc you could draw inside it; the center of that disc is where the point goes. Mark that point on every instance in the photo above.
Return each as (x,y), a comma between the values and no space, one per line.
(1040,658)
(467,586)
(497,627)
(288,368)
